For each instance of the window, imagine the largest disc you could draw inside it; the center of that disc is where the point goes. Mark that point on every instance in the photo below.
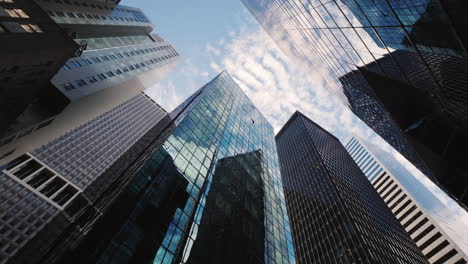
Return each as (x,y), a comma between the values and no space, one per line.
(80,83)
(60,14)
(80,15)
(86,62)
(21,13)
(95,60)
(11,13)
(71,15)
(125,69)
(101,76)
(118,71)
(91,79)
(75,64)
(110,74)
(27,28)
(65,67)
(68,86)
(40,179)
(35,28)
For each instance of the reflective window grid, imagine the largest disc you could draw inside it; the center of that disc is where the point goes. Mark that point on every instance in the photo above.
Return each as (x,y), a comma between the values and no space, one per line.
(215,127)
(418,46)
(336,215)
(206,190)
(426,233)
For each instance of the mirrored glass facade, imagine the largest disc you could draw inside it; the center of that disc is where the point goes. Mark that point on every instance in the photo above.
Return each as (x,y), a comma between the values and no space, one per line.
(226,203)
(410,57)
(416,215)
(202,188)
(336,215)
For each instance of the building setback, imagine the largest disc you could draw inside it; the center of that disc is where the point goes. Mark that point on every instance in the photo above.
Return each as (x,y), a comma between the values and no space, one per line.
(149,204)
(410,60)
(119,56)
(118,45)
(43,190)
(437,224)
(336,215)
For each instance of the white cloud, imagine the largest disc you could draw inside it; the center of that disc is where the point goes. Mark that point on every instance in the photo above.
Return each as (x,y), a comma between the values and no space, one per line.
(277,86)
(166,96)
(213,50)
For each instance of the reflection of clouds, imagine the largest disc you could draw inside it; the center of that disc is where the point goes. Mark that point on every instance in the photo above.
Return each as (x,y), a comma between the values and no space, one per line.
(277,86)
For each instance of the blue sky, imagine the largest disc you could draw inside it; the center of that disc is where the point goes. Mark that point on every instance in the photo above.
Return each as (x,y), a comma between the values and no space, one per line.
(214,35)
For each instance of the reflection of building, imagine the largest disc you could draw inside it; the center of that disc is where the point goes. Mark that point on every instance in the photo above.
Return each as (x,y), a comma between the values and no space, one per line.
(137,194)
(368,108)
(417,107)
(417,206)
(424,25)
(421,88)
(231,229)
(336,215)
(217,142)
(118,58)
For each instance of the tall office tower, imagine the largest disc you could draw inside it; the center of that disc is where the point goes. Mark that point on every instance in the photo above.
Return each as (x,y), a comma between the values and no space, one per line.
(336,215)
(33,48)
(214,160)
(425,75)
(45,190)
(119,45)
(437,224)
(119,58)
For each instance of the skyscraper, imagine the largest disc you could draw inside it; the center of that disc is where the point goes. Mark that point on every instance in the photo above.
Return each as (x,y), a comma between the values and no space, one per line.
(336,215)
(118,42)
(185,175)
(434,221)
(403,55)
(119,57)
(43,190)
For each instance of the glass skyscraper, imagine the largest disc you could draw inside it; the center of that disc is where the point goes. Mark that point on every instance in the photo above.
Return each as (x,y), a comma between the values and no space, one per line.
(202,188)
(437,224)
(336,215)
(406,58)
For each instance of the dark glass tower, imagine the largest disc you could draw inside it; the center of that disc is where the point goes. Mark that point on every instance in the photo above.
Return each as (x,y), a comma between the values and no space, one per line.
(232,231)
(336,215)
(406,59)
(209,165)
